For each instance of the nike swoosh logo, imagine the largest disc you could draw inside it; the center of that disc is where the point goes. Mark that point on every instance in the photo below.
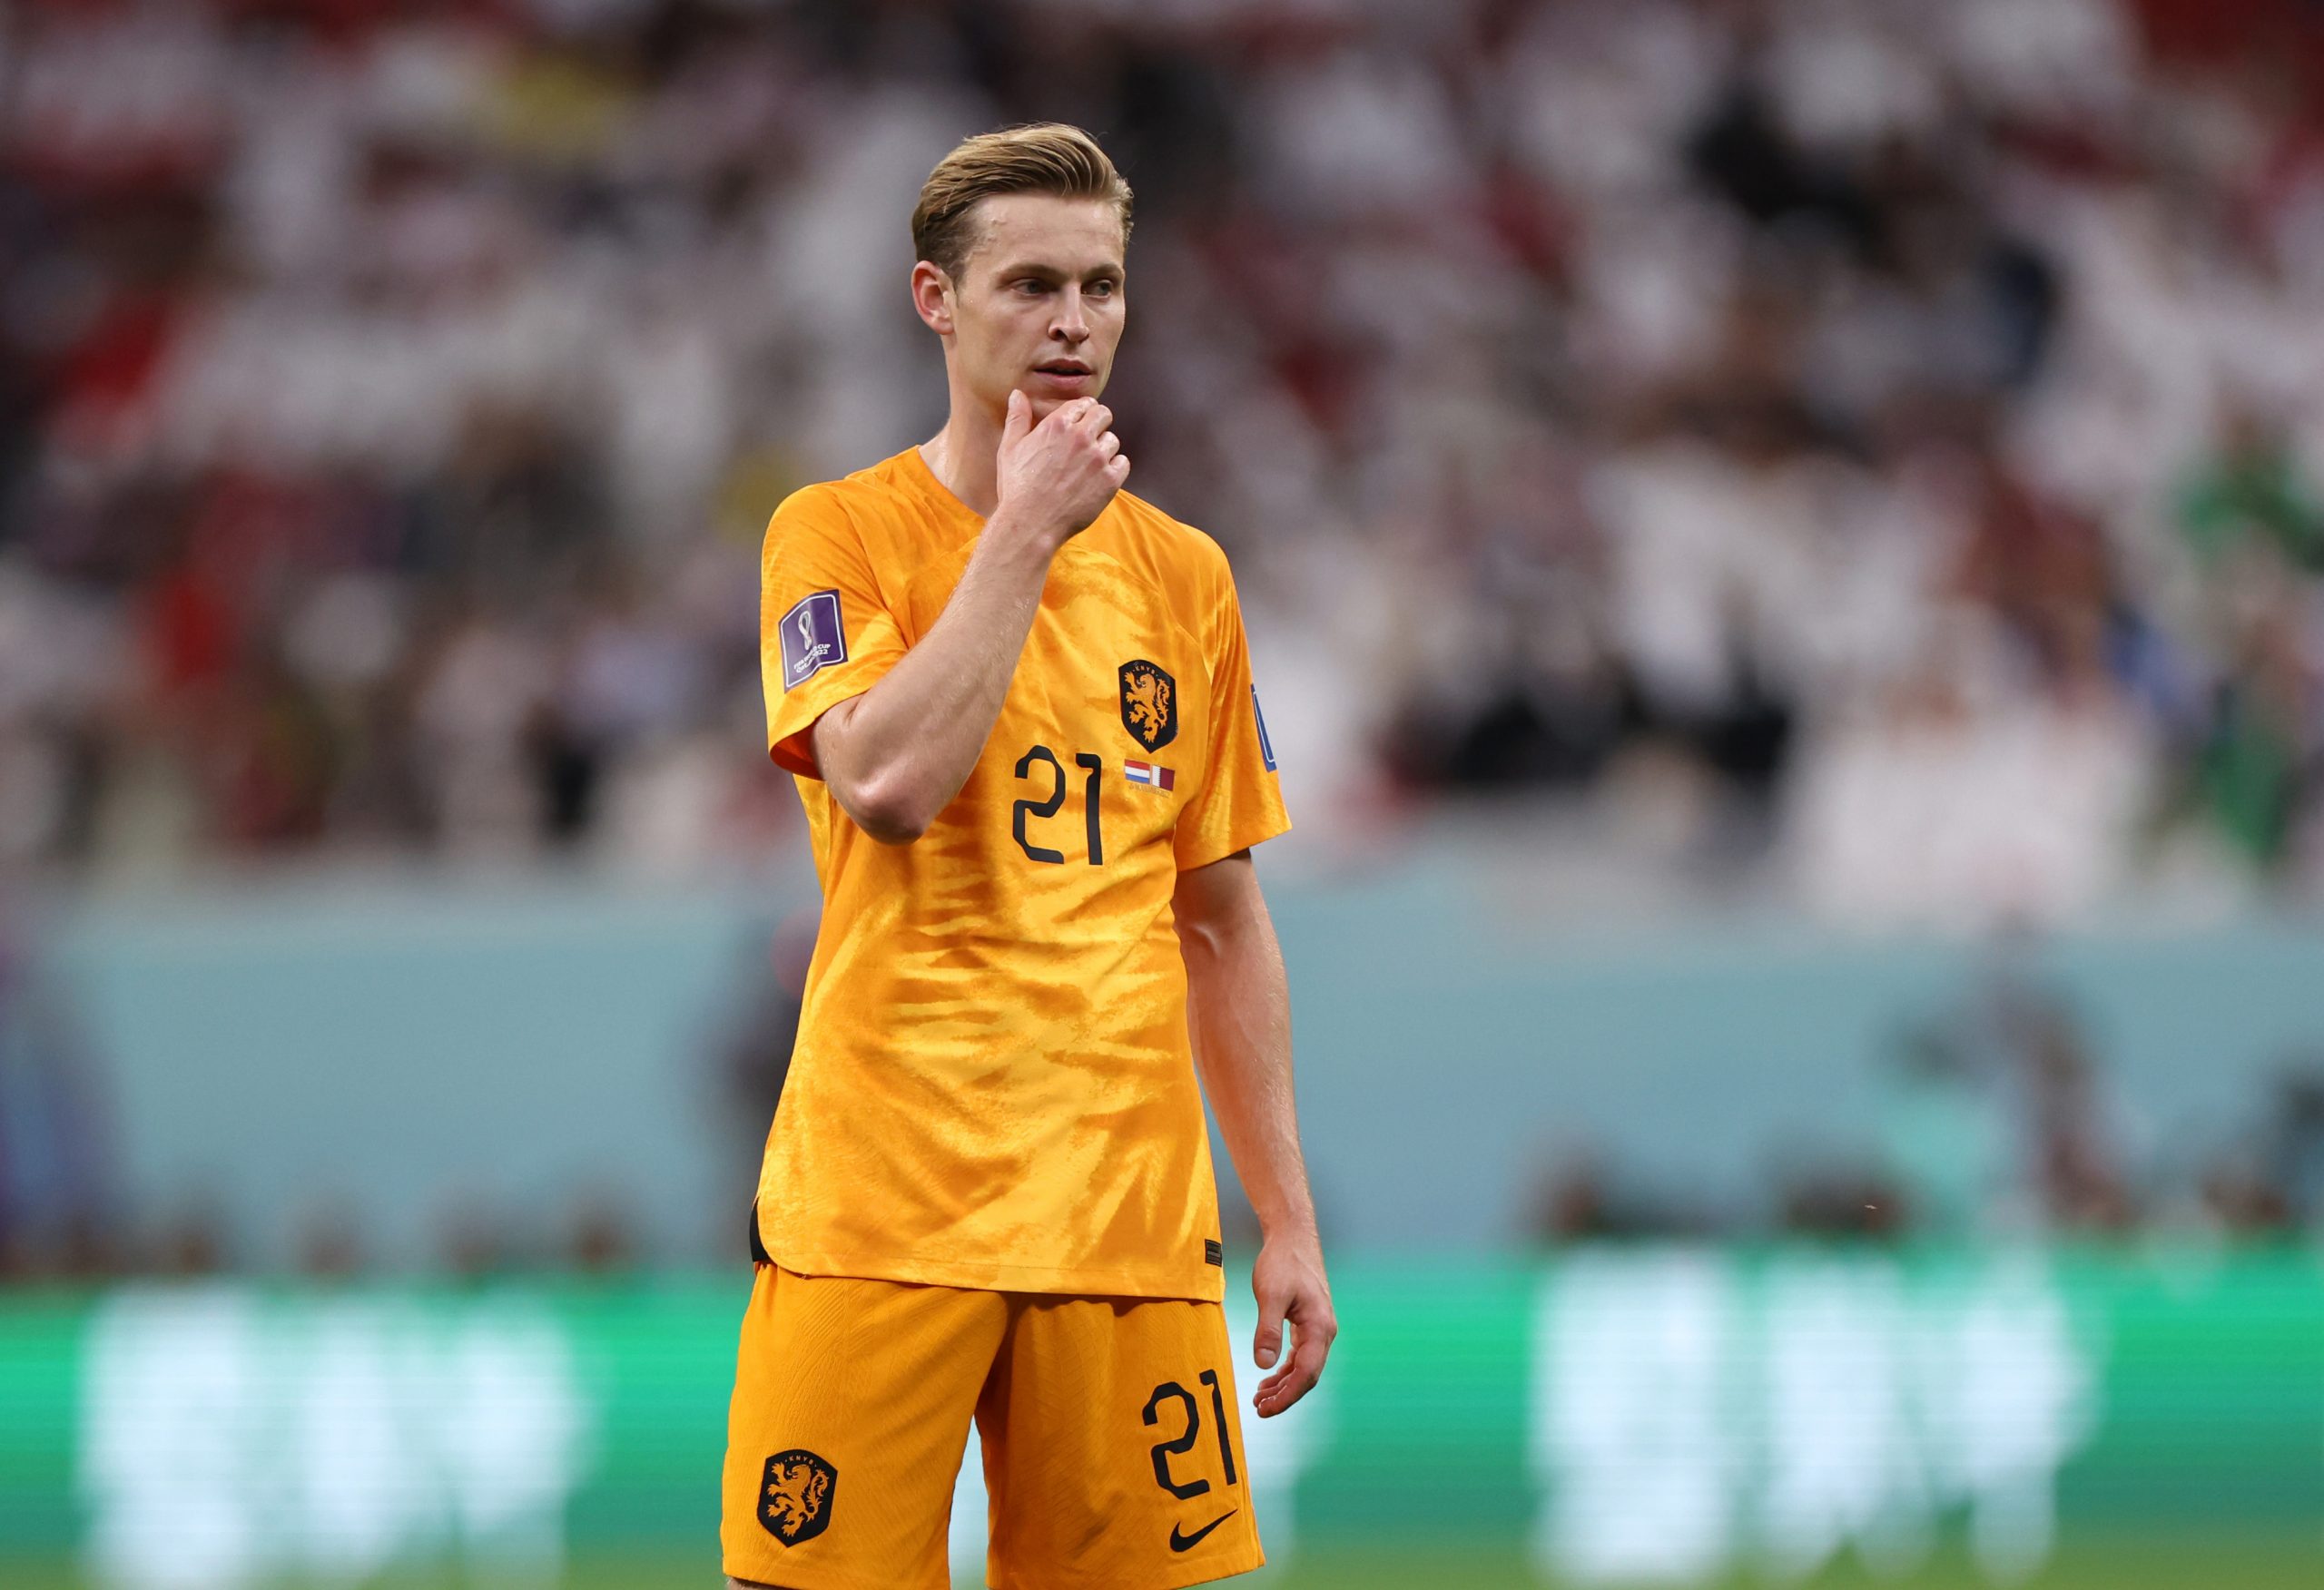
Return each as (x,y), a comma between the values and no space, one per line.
(1189,1542)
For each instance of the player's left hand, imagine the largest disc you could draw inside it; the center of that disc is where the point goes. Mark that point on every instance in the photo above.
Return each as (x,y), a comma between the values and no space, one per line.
(1288,1282)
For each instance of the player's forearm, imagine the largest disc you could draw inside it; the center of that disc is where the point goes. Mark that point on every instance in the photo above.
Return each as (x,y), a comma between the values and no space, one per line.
(899,752)
(1238,1009)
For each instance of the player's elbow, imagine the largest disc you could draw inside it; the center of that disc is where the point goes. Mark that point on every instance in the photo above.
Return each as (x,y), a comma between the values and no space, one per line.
(890,812)
(890,831)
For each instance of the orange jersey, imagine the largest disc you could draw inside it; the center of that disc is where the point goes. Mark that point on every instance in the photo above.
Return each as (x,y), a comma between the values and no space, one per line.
(993,1085)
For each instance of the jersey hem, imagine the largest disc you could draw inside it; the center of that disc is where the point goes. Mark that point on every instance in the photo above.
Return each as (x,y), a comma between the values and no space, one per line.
(1204,856)
(787,754)
(969,1276)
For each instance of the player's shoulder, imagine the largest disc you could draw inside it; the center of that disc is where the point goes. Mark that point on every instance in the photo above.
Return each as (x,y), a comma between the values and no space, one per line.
(818,510)
(871,489)
(1168,548)
(880,509)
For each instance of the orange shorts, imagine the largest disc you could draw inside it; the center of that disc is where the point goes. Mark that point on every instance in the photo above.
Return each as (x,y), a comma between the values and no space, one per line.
(1113,1447)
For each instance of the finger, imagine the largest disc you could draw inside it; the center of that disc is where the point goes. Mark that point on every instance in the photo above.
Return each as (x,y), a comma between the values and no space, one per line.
(1108,445)
(1288,1384)
(1311,1345)
(1101,417)
(1020,418)
(1300,1369)
(1118,470)
(1279,1396)
(1266,1346)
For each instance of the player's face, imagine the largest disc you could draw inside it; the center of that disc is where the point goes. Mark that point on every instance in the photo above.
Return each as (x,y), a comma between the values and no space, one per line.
(1039,305)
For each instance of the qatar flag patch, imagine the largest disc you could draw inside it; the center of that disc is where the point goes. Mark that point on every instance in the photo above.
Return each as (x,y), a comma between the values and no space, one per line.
(1149,775)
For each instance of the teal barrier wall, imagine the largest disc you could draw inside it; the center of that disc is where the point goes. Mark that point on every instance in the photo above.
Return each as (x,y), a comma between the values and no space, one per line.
(392,1050)
(1623,1416)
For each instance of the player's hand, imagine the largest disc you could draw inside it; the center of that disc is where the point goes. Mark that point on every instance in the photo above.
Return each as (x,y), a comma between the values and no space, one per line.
(1057,477)
(1288,1281)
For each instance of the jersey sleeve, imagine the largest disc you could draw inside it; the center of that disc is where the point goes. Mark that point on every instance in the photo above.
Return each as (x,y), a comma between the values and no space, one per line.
(825,632)
(1240,800)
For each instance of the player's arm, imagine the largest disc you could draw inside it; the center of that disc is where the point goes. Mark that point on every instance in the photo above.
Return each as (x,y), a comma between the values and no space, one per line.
(1238,1012)
(895,756)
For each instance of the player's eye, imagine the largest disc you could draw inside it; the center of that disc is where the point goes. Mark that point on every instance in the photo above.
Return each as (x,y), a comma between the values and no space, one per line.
(1104,287)
(1030,285)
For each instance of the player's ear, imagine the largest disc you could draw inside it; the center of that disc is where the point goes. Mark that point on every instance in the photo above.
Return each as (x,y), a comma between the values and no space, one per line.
(931,294)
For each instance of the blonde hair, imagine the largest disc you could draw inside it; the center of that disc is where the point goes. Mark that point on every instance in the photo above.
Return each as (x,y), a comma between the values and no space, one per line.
(1048,157)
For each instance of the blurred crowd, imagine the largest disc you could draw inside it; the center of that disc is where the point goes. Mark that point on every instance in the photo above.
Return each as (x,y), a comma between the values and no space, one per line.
(2000,1116)
(1876,444)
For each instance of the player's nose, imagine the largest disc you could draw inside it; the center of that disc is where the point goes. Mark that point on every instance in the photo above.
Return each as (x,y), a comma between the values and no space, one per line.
(1071,324)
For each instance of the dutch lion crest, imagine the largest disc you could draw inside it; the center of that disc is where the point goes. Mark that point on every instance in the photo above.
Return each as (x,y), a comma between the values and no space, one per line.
(1149,703)
(795,1495)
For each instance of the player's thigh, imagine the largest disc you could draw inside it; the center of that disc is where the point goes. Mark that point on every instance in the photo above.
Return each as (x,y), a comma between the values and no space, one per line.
(852,1404)
(1114,1447)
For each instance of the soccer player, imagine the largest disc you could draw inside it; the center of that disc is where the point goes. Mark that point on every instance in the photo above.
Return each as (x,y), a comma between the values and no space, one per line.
(1018,707)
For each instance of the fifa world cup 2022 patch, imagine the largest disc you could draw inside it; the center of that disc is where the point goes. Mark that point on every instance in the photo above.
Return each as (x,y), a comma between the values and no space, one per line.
(814,638)
(795,1495)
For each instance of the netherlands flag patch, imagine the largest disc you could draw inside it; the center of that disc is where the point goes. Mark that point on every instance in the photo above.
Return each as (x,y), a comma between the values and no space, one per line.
(1149,774)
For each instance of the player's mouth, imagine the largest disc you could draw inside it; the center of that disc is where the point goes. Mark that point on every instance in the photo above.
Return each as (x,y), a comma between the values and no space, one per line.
(1069,374)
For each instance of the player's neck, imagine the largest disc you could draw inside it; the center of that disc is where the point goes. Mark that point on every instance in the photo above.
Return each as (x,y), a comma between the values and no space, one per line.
(961,455)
